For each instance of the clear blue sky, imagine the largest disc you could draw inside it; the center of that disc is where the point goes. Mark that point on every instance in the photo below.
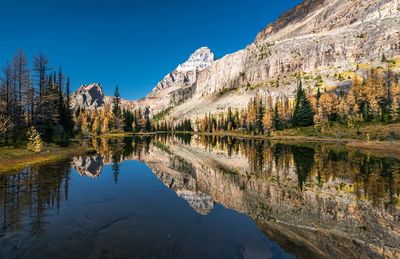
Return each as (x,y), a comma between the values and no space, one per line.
(129,43)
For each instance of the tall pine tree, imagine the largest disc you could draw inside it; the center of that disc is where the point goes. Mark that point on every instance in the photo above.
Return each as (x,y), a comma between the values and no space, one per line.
(303,114)
(118,121)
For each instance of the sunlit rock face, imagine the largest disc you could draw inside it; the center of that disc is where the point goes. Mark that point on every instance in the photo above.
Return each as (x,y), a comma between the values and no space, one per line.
(89,96)
(199,60)
(318,37)
(178,86)
(91,166)
(174,88)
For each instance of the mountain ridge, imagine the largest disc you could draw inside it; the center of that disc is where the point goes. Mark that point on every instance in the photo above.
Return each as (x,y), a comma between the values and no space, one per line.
(316,39)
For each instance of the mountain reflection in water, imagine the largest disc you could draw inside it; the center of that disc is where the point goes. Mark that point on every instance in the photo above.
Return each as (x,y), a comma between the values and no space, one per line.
(314,200)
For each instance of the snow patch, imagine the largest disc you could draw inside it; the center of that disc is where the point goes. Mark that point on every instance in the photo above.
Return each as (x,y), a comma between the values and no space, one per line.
(199,60)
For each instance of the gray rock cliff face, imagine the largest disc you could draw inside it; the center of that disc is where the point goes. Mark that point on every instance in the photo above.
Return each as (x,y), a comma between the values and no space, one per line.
(177,86)
(89,96)
(317,38)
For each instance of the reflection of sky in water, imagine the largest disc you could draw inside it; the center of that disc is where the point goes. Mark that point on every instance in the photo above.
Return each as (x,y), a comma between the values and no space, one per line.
(138,216)
(177,204)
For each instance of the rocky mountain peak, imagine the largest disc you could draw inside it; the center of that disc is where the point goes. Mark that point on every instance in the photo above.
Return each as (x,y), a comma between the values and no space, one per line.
(317,38)
(176,86)
(89,96)
(199,60)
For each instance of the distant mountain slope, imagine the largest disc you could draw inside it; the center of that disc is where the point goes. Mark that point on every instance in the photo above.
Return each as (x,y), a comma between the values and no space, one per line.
(178,86)
(91,96)
(314,41)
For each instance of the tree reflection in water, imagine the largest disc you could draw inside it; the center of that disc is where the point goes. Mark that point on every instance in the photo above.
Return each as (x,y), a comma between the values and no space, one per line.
(309,185)
(27,196)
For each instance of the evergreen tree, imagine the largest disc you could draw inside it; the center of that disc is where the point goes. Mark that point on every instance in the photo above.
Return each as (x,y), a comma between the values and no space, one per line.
(118,122)
(318,93)
(128,120)
(259,117)
(148,127)
(303,114)
(22,108)
(277,120)
(116,102)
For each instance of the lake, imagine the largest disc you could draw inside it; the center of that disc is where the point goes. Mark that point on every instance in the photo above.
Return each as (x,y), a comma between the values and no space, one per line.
(192,196)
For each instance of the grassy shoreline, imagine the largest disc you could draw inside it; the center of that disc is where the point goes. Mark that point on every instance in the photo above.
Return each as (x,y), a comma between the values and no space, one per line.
(15,159)
(391,148)
(365,133)
(368,138)
(375,147)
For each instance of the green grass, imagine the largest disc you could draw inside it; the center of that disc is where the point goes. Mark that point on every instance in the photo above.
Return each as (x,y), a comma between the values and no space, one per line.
(15,159)
(115,135)
(366,132)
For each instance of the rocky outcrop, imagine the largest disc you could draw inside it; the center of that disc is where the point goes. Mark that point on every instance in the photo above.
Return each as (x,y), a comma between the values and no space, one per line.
(89,96)
(185,74)
(178,86)
(199,60)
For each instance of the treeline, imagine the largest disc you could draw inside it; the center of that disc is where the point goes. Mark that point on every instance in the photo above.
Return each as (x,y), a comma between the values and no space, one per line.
(112,118)
(372,98)
(262,115)
(375,98)
(37,96)
(103,121)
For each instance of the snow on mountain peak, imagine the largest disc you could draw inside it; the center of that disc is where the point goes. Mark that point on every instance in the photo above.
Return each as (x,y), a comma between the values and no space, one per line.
(199,60)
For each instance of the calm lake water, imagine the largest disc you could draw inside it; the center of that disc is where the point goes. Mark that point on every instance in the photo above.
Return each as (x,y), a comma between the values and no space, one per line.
(183,196)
